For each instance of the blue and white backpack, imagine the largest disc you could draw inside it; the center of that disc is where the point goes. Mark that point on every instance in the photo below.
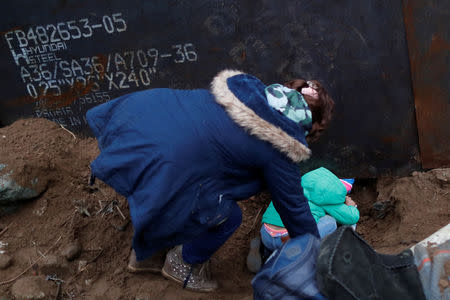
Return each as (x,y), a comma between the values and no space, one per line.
(289,272)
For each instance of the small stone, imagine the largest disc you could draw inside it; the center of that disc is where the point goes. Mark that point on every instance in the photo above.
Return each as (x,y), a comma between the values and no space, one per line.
(5,261)
(32,288)
(142,297)
(72,251)
(89,281)
(117,271)
(53,265)
(82,265)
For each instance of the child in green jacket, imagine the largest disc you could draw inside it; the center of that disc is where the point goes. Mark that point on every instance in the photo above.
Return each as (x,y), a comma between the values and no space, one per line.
(329,204)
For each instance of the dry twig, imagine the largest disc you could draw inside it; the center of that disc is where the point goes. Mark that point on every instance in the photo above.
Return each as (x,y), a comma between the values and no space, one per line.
(254,221)
(58,291)
(68,131)
(120,212)
(5,229)
(89,261)
(37,249)
(96,257)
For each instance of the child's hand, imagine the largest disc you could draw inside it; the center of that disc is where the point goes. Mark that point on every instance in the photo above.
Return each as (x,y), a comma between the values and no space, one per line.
(349,201)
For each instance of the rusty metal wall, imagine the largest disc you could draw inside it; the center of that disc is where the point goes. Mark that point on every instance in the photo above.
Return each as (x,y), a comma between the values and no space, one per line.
(61,57)
(428,34)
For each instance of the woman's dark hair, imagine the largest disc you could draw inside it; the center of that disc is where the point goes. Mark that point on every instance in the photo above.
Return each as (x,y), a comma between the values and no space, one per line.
(321,108)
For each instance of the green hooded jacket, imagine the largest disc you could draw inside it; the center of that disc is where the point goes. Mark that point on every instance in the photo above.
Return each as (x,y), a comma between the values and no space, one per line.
(326,195)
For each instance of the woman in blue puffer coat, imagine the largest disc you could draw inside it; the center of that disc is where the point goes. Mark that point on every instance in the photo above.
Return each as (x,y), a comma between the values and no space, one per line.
(183,158)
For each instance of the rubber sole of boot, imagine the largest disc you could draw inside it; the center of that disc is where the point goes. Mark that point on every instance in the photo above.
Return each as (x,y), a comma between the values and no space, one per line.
(153,264)
(135,270)
(181,282)
(254,260)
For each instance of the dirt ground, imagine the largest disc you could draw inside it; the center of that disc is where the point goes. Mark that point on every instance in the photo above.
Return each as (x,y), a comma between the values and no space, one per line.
(395,214)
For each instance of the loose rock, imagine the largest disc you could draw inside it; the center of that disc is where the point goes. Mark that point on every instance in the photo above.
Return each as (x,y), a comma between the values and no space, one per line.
(82,265)
(5,261)
(381,208)
(72,251)
(53,265)
(32,288)
(10,191)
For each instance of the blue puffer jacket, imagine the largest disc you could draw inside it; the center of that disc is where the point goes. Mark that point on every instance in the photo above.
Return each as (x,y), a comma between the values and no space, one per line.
(184,157)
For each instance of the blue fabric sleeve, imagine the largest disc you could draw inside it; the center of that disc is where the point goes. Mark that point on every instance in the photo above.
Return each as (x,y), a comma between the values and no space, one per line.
(282,177)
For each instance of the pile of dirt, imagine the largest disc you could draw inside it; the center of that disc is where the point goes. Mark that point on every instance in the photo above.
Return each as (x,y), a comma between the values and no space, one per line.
(70,211)
(404,211)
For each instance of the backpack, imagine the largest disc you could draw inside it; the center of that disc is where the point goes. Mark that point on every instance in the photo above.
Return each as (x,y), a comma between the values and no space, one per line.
(289,273)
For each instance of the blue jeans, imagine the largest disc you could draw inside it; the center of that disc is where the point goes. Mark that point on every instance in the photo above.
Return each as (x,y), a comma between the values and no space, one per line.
(201,249)
(325,226)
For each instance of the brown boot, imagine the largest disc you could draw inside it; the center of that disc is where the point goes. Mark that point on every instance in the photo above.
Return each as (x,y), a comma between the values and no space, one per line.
(192,277)
(152,264)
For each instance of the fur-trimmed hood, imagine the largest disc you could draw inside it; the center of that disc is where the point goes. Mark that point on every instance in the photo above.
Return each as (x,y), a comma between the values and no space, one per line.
(241,96)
